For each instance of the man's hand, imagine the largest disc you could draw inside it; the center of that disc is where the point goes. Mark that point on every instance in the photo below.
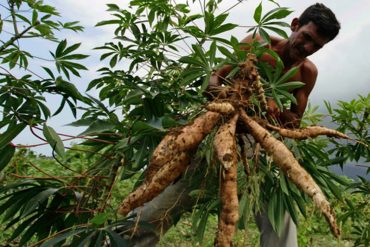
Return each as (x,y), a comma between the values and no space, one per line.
(273,110)
(289,119)
(286,118)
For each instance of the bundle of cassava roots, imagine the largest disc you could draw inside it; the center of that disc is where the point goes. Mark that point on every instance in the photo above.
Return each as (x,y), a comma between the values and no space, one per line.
(173,154)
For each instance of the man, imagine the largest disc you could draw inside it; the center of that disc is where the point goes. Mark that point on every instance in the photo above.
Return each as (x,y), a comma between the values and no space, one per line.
(310,32)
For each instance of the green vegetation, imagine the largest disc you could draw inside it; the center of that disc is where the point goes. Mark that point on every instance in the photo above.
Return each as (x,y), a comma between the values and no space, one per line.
(353,210)
(152,79)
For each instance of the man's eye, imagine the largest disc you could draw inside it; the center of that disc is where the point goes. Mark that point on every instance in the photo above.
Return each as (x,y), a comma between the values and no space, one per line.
(306,36)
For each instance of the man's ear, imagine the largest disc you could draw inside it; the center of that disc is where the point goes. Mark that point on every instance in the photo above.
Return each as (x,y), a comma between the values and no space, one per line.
(294,26)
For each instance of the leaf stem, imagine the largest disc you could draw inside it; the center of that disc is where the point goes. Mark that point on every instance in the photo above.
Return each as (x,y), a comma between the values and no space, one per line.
(17,36)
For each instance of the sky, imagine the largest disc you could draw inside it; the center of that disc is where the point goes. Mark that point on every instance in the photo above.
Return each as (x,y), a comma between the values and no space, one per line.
(342,64)
(343,67)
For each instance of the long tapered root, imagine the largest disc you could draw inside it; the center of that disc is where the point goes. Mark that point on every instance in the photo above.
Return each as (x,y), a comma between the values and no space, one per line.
(148,190)
(225,148)
(308,132)
(286,161)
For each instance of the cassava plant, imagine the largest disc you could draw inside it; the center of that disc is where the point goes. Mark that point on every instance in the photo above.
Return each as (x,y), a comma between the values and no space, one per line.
(150,121)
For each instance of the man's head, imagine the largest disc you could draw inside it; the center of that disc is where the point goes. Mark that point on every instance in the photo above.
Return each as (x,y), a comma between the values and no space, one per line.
(325,20)
(312,30)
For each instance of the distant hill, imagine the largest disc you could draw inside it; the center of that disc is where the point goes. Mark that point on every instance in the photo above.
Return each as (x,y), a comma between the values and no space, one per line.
(350,170)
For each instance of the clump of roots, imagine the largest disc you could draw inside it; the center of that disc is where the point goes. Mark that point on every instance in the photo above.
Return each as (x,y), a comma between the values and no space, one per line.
(172,155)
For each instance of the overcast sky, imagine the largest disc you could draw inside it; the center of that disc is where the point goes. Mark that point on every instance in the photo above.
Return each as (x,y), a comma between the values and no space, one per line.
(343,63)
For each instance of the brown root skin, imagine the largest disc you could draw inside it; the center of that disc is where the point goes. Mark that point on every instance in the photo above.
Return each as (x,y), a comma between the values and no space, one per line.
(221,107)
(191,135)
(148,190)
(225,148)
(181,139)
(308,132)
(286,161)
(161,155)
(224,143)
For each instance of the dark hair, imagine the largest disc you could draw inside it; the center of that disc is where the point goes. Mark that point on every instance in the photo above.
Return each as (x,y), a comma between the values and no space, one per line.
(325,20)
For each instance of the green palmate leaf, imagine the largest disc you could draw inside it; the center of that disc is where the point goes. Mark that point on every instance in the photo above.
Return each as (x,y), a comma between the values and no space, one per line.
(44,29)
(6,155)
(68,88)
(265,36)
(212,52)
(99,219)
(287,95)
(37,200)
(39,227)
(20,228)
(98,126)
(108,22)
(17,202)
(271,209)
(226,52)
(277,99)
(12,131)
(87,238)
(276,211)
(62,237)
(23,18)
(289,204)
(277,23)
(288,75)
(209,22)
(54,140)
(257,13)
(191,60)
(283,184)
(199,53)
(279,31)
(34,17)
(287,86)
(62,45)
(223,28)
(116,240)
(277,13)
(190,74)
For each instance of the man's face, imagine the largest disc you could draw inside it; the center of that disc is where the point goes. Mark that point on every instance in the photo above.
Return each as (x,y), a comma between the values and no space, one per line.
(305,40)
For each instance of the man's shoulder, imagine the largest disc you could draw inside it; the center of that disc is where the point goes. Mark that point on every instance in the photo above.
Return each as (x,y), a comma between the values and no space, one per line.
(309,68)
(308,71)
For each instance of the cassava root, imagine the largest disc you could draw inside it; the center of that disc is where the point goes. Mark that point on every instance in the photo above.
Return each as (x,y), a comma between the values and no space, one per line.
(169,160)
(225,148)
(308,132)
(150,189)
(181,139)
(221,107)
(286,161)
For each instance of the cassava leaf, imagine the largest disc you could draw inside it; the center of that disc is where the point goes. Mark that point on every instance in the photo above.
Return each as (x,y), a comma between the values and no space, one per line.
(6,155)
(54,140)
(12,131)
(257,13)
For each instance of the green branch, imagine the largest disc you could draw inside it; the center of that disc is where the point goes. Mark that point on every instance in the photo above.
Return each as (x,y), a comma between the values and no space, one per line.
(17,36)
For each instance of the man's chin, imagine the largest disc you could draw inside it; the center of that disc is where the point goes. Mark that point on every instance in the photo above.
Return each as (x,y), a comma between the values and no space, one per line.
(297,56)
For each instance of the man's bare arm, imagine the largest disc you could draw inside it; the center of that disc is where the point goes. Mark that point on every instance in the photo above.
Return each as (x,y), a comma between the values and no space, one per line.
(292,118)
